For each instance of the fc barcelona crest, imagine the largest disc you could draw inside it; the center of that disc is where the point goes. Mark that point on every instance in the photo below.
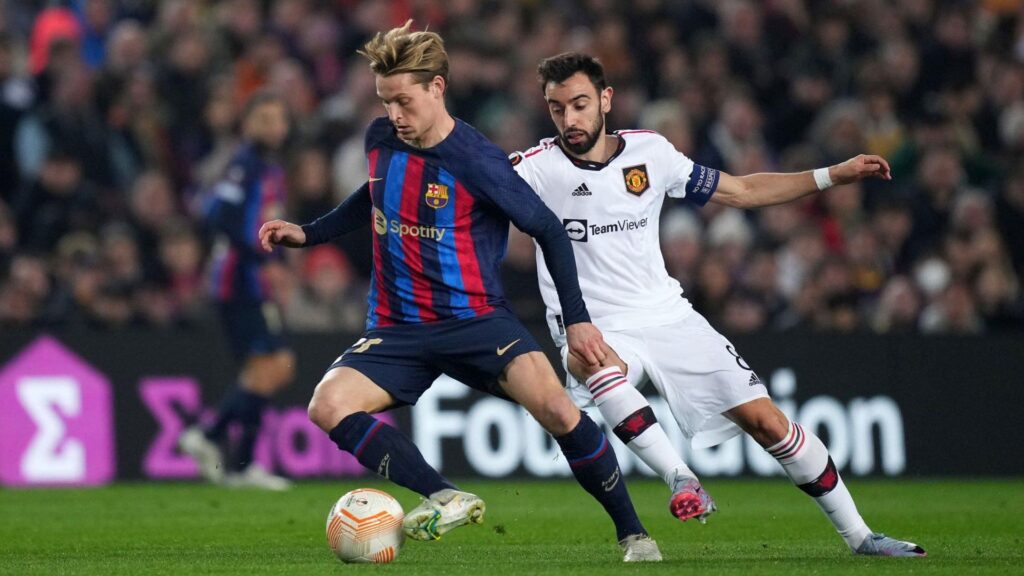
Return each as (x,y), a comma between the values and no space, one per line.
(636,179)
(437,195)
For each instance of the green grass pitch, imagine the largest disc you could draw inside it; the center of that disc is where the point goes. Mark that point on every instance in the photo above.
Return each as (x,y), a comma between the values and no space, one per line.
(763,527)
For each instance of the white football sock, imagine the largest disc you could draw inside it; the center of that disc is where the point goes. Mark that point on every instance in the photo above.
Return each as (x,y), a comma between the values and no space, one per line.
(633,421)
(807,463)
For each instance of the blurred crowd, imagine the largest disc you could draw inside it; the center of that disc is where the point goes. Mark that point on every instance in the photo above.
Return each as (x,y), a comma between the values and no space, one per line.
(115,116)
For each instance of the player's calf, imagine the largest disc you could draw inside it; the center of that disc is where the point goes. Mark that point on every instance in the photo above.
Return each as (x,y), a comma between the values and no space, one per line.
(386,451)
(808,464)
(762,420)
(348,395)
(638,428)
(595,467)
(530,381)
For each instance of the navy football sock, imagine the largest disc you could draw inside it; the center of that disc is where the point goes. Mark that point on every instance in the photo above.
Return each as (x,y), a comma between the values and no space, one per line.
(250,415)
(386,451)
(227,413)
(593,463)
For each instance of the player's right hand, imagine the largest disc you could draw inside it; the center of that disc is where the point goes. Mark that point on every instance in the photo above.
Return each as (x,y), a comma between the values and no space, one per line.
(281,233)
(858,168)
(586,343)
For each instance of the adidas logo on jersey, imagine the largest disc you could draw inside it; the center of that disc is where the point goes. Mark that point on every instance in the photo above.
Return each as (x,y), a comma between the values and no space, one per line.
(582,190)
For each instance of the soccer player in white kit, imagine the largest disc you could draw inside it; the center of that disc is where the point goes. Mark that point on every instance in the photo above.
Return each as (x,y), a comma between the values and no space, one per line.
(608,189)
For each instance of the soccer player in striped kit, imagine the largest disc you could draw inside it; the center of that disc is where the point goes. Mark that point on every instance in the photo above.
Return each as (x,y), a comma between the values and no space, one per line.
(439,200)
(609,189)
(251,192)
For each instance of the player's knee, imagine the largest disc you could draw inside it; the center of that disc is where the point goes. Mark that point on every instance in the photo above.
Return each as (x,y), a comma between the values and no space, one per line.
(284,368)
(558,416)
(577,369)
(582,371)
(327,407)
(334,399)
(323,413)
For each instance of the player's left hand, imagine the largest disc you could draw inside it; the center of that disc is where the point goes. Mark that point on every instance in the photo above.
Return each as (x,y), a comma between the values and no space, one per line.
(585,343)
(858,168)
(281,233)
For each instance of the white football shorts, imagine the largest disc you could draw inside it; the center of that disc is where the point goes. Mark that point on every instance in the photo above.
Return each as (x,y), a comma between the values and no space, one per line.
(694,368)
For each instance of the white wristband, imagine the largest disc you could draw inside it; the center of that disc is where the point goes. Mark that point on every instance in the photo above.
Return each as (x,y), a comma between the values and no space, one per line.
(822,179)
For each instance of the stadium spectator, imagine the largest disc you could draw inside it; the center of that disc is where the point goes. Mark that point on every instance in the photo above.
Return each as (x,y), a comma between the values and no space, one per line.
(101,99)
(8,235)
(219,138)
(181,258)
(329,298)
(151,205)
(898,307)
(310,184)
(16,96)
(26,293)
(58,202)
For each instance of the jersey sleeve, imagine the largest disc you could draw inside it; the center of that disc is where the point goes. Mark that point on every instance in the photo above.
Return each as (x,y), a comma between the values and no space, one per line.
(350,215)
(522,168)
(354,212)
(495,178)
(688,180)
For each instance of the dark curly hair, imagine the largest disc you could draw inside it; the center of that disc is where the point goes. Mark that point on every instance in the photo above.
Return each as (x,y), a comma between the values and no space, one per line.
(559,68)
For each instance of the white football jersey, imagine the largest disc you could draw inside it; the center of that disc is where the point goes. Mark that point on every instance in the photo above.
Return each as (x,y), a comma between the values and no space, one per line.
(611,213)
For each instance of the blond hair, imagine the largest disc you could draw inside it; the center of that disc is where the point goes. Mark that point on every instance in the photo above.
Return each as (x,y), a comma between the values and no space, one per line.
(400,51)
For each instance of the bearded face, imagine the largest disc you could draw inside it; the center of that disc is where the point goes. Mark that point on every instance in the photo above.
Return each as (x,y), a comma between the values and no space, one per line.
(578,139)
(577,109)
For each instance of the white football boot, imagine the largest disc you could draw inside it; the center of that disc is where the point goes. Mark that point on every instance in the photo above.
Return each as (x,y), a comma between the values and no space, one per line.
(254,476)
(690,500)
(204,451)
(444,511)
(877,544)
(640,548)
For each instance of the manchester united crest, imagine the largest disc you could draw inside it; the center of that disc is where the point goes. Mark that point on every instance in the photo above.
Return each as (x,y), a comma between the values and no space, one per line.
(636,179)
(437,195)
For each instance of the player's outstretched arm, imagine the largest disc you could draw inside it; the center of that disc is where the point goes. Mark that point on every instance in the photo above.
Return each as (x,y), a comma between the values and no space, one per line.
(350,215)
(281,233)
(767,189)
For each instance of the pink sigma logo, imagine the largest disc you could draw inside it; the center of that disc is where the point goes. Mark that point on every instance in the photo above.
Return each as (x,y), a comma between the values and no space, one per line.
(56,420)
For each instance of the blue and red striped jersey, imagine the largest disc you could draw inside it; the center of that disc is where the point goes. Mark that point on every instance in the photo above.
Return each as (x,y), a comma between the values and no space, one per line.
(440,219)
(251,192)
